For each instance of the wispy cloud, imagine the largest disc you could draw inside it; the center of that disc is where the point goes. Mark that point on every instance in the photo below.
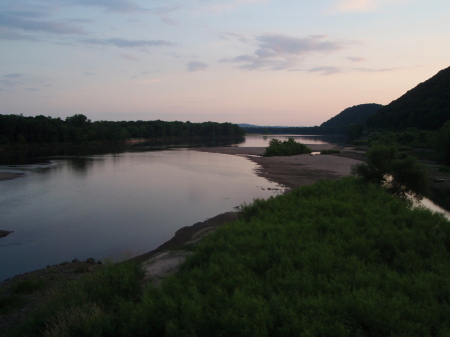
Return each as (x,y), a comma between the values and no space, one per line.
(278,52)
(129,57)
(332,70)
(127,43)
(326,70)
(356,59)
(36,21)
(9,34)
(169,21)
(118,6)
(196,66)
(19,81)
(14,75)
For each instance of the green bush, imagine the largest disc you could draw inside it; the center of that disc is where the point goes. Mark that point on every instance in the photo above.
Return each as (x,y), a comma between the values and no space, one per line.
(86,307)
(28,286)
(285,148)
(403,177)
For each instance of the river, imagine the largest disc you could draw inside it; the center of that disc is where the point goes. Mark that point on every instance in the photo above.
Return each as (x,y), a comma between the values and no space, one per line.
(118,205)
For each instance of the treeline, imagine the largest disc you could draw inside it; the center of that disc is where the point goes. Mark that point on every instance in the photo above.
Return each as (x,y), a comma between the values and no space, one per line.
(338,258)
(436,143)
(357,114)
(18,129)
(427,106)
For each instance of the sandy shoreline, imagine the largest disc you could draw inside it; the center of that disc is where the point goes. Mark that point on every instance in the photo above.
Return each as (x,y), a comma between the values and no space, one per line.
(291,172)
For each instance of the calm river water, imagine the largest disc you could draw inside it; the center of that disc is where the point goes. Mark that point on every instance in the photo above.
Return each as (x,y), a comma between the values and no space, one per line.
(116,206)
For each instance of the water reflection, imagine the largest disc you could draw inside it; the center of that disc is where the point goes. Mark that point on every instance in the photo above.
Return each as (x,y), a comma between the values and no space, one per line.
(116,205)
(263,140)
(427,203)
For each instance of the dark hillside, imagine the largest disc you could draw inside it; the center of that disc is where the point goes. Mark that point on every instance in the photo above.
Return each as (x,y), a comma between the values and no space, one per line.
(427,106)
(354,115)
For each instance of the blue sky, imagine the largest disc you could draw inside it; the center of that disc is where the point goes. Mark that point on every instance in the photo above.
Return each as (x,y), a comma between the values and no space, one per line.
(266,62)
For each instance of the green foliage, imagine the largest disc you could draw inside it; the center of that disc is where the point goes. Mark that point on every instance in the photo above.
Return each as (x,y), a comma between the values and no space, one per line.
(354,131)
(9,303)
(285,148)
(86,307)
(403,178)
(427,106)
(357,114)
(443,143)
(28,286)
(412,137)
(339,258)
(15,129)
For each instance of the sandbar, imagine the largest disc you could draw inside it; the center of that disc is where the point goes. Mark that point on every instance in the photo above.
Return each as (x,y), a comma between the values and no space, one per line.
(293,171)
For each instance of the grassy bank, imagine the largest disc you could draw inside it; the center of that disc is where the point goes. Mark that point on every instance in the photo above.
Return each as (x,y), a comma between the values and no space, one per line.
(337,258)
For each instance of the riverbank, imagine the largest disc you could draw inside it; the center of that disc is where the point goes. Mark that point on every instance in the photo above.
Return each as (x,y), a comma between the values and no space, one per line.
(295,171)
(290,172)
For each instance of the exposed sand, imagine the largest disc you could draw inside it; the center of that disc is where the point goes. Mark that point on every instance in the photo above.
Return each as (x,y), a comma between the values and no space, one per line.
(292,171)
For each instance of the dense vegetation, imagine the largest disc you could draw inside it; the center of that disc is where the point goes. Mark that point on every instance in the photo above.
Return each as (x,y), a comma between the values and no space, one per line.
(403,177)
(285,148)
(338,258)
(357,114)
(17,129)
(427,106)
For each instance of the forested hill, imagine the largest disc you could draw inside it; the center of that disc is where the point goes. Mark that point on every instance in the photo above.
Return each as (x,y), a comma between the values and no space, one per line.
(427,106)
(17,129)
(354,115)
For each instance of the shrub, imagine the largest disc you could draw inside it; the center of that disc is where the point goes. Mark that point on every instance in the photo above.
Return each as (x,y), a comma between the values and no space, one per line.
(404,178)
(285,148)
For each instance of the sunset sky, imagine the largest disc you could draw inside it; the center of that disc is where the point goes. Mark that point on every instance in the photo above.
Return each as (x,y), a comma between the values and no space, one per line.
(264,62)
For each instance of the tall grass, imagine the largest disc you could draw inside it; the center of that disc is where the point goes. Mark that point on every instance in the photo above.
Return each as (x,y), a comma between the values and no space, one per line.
(338,258)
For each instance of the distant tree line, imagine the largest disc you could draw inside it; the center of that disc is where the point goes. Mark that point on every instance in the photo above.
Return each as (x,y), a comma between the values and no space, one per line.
(356,114)
(426,107)
(18,129)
